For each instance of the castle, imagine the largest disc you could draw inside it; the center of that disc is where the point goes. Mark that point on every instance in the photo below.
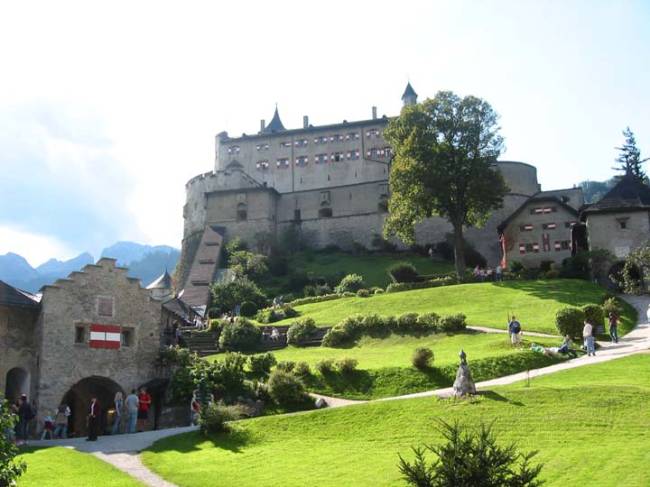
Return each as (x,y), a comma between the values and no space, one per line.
(330,182)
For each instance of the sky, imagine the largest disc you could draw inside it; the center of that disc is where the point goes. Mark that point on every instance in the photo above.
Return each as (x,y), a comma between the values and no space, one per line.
(108,108)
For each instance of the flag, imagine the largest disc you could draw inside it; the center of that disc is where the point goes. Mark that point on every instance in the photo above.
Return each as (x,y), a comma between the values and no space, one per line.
(105,336)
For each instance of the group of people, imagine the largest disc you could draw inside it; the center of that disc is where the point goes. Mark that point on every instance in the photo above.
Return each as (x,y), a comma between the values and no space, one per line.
(135,407)
(488,274)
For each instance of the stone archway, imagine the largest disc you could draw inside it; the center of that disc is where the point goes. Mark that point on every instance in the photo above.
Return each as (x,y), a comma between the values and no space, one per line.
(16,383)
(78,399)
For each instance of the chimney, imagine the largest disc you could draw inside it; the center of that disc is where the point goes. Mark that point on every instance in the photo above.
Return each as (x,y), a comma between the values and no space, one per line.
(374,113)
(305,121)
(262,125)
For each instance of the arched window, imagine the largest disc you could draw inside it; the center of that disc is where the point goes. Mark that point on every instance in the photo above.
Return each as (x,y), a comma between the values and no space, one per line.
(242,212)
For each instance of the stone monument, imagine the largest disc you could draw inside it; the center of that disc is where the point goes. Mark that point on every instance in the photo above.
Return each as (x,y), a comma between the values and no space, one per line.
(464,384)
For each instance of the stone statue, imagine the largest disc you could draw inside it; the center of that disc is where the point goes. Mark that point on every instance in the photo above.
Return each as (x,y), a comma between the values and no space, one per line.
(464,384)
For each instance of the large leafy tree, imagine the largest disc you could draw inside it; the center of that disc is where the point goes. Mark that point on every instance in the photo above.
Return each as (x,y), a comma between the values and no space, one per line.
(629,158)
(10,468)
(445,150)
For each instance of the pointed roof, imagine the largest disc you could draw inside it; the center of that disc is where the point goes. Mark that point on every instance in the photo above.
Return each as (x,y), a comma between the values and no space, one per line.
(163,282)
(628,194)
(12,296)
(409,91)
(275,125)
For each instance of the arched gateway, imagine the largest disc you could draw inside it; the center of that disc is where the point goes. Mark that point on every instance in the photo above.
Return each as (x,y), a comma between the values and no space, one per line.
(16,383)
(78,398)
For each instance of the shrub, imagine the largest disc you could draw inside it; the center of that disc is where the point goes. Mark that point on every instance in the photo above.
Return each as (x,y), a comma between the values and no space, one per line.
(569,321)
(214,418)
(422,358)
(552,274)
(363,293)
(260,365)
(409,286)
(301,332)
(350,284)
(10,469)
(248,309)
(348,294)
(278,265)
(546,265)
(286,389)
(275,313)
(403,272)
(181,385)
(470,458)
(516,266)
(378,291)
(325,366)
(453,323)
(286,366)
(407,322)
(594,315)
(612,305)
(297,281)
(225,296)
(335,337)
(309,290)
(428,322)
(241,335)
(347,365)
(302,370)
(315,299)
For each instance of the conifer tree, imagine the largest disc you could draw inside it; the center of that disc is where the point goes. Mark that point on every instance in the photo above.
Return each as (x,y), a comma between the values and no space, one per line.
(630,157)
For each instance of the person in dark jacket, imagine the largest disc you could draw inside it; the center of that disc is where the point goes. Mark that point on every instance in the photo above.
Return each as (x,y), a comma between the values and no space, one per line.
(94,415)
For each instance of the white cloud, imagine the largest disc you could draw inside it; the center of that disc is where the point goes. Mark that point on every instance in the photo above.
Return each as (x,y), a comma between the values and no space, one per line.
(34,247)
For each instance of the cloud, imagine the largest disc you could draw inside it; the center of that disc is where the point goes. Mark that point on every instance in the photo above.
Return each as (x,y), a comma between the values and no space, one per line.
(60,178)
(36,248)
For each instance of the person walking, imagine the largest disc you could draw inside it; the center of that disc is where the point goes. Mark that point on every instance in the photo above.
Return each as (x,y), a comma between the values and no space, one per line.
(132,404)
(588,337)
(94,415)
(25,415)
(514,329)
(61,421)
(613,327)
(144,402)
(48,426)
(498,273)
(195,409)
(118,401)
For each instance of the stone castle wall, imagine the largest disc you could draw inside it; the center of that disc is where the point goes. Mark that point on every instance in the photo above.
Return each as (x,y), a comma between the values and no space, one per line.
(18,349)
(604,231)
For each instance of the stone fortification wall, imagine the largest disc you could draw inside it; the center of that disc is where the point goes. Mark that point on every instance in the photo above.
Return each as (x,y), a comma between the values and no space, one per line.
(604,231)
(17,349)
(74,302)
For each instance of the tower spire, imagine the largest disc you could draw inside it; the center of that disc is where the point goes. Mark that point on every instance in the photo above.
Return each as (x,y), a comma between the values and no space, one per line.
(410,97)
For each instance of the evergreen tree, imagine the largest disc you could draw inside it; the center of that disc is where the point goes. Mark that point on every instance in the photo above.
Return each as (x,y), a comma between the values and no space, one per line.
(630,157)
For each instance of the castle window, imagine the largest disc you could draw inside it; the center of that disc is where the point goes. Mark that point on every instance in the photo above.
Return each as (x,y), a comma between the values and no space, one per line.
(543,210)
(372,133)
(282,163)
(549,226)
(301,143)
(262,165)
(372,153)
(286,143)
(557,245)
(242,212)
(337,156)
(105,306)
(262,146)
(80,334)
(566,245)
(622,222)
(296,215)
(352,136)
(526,227)
(522,248)
(325,213)
(302,161)
(337,138)
(321,140)
(126,337)
(388,152)
(233,149)
(320,158)
(569,224)
(325,198)
(536,247)
(353,155)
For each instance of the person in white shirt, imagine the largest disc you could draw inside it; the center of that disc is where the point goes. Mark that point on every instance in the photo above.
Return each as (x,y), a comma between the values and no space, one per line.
(588,337)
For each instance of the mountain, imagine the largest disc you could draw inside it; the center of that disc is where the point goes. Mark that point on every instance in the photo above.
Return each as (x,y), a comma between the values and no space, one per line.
(145,262)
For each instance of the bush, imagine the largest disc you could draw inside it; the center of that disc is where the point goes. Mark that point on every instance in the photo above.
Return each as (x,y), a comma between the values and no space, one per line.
(403,272)
(552,274)
(422,358)
(569,321)
(214,418)
(409,286)
(378,291)
(546,265)
(286,389)
(301,332)
(325,366)
(302,370)
(407,322)
(309,290)
(612,305)
(286,366)
(470,458)
(297,281)
(241,335)
(335,337)
(594,315)
(428,322)
(347,365)
(10,469)
(278,265)
(350,284)
(516,267)
(260,365)
(315,299)
(363,293)
(248,309)
(275,313)
(225,296)
(453,323)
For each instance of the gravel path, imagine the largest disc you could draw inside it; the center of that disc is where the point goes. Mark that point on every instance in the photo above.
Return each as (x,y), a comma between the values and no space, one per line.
(132,464)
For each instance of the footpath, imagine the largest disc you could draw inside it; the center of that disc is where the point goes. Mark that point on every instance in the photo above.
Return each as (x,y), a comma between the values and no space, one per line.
(122,451)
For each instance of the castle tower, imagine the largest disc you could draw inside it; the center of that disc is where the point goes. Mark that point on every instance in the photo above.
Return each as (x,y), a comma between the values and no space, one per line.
(161,288)
(275,125)
(410,97)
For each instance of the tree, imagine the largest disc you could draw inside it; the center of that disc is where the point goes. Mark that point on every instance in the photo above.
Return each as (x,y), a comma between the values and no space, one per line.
(630,157)
(470,459)
(445,151)
(10,469)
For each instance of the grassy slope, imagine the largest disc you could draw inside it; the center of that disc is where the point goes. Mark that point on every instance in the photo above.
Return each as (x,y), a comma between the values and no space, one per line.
(373,267)
(590,425)
(488,304)
(396,351)
(62,467)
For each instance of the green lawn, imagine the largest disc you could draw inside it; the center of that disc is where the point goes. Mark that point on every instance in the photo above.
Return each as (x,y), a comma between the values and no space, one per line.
(63,467)
(373,267)
(590,425)
(396,350)
(487,304)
